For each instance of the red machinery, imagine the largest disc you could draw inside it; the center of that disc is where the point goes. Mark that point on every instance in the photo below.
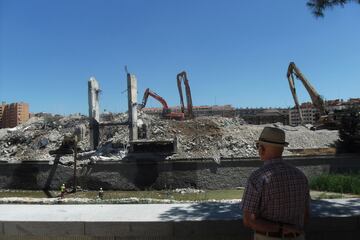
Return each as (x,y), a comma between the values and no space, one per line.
(166,110)
(181,77)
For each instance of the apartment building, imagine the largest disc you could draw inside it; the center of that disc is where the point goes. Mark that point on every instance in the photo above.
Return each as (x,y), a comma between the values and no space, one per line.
(224,111)
(268,116)
(13,114)
(2,107)
(353,102)
(309,114)
(215,110)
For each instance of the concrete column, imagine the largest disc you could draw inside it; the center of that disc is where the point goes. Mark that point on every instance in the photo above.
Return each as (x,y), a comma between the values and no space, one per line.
(132,105)
(94,112)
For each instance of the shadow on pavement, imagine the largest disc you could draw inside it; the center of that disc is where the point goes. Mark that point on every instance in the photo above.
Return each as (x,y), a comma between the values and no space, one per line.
(335,208)
(204,211)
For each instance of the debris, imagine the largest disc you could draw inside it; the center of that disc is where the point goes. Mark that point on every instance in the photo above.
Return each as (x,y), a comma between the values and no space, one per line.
(188,190)
(203,137)
(43,142)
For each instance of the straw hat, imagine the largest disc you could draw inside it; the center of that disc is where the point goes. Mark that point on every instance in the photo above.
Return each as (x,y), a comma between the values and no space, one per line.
(273,136)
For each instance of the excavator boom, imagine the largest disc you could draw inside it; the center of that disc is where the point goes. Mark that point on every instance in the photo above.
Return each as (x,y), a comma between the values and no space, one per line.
(148,93)
(182,77)
(316,99)
(290,77)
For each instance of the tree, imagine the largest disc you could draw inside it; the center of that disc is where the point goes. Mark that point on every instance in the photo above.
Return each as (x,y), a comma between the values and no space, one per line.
(318,6)
(349,131)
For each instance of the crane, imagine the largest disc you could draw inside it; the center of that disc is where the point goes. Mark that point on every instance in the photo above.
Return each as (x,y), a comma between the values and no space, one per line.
(166,110)
(316,99)
(182,77)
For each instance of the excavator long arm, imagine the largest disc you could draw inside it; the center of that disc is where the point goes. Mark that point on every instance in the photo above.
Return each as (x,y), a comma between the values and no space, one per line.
(182,77)
(316,99)
(290,77)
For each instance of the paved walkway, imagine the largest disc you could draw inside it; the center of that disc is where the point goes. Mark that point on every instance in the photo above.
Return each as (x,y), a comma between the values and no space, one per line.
(211,221)
(155,212)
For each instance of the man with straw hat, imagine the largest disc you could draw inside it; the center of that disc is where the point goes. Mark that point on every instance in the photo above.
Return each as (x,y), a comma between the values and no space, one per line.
(275,203)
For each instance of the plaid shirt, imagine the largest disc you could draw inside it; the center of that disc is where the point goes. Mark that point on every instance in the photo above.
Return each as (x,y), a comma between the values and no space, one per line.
(277,192)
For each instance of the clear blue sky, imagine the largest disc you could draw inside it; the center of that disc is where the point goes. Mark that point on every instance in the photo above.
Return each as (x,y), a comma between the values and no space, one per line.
(235,52)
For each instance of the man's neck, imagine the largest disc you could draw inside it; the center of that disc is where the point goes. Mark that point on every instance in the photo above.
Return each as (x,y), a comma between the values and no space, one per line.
(268,158)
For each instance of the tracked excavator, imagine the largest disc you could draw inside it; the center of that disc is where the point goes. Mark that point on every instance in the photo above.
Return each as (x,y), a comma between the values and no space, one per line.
(182,77)
(324,118)
(166,110)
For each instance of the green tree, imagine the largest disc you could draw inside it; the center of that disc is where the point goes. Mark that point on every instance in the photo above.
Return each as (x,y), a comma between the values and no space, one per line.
(349,132)
(318,6)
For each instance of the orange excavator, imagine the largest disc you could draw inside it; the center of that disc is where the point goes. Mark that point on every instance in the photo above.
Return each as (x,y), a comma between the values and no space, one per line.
(166,110)
(181,77)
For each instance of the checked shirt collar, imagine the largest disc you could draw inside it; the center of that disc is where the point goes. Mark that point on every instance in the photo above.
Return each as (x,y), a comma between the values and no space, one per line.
(271,161)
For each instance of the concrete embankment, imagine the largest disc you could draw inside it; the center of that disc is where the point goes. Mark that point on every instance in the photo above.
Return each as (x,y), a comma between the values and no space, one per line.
(158,174)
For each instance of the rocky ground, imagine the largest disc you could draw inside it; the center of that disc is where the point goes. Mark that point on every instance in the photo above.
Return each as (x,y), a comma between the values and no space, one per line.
(213,137)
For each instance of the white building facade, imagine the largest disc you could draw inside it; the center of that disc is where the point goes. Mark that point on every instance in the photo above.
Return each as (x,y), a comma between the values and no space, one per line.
(309,115)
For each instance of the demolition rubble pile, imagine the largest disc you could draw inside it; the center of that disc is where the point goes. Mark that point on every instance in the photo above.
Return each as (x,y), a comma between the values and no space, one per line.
(213,137)
(218,137)
(40,134)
